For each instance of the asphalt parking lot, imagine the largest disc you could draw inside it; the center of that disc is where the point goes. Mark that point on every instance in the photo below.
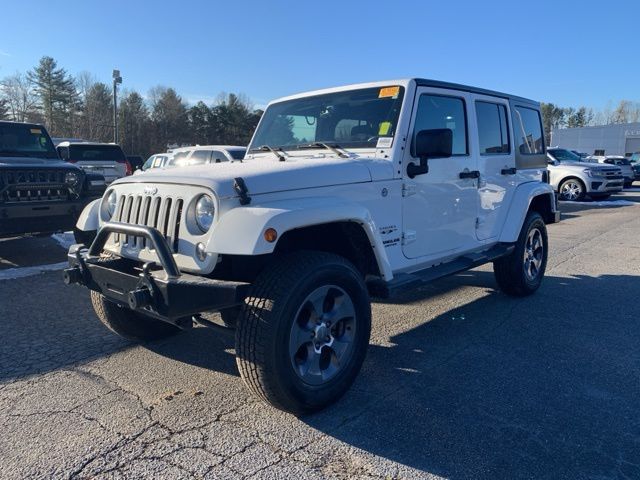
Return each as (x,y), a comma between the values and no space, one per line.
(460,381)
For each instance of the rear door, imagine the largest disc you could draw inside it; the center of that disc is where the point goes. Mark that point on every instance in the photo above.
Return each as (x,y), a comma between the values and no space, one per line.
(496,162)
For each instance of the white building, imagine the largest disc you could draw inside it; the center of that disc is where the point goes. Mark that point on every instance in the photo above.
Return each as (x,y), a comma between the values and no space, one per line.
(620,139)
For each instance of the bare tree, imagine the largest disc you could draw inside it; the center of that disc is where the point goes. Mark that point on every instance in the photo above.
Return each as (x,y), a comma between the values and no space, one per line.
(17,91)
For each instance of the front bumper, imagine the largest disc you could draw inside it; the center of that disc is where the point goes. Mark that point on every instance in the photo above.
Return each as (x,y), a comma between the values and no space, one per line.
(606,185)
(39,217)
(162,293)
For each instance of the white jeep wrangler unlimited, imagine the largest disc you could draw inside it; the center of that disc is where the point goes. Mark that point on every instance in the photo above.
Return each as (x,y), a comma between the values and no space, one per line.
(345,193)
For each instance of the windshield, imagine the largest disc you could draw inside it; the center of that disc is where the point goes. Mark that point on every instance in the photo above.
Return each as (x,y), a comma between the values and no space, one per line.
(96,153)
(20,140)
(352,119)
(563,155)
(237,154)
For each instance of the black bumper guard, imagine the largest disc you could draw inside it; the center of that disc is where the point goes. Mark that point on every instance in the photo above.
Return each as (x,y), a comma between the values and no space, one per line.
(165,294)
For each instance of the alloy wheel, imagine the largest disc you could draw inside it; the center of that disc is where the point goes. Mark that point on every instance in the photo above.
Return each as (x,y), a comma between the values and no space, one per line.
(533,254)
(322,335)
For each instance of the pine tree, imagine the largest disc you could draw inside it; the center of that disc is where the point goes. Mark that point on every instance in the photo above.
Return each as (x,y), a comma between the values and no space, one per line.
(58,98)
(134,125)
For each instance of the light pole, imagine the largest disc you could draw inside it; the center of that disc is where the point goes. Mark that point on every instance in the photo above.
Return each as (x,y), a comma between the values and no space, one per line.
(117,79)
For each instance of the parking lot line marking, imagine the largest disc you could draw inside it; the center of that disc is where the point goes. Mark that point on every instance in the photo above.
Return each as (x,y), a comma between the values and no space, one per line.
(21,272)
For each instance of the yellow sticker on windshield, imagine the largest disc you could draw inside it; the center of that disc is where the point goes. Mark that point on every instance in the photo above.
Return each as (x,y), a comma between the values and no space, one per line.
(384,128)
(36,131)
(389,92)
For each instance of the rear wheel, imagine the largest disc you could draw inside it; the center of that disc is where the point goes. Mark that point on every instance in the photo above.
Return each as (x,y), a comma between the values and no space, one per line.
(129,324)
(521,273)
(571,189)
(304,331)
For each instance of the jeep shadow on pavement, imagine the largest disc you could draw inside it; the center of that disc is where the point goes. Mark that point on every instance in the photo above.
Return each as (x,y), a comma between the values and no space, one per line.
(344,193)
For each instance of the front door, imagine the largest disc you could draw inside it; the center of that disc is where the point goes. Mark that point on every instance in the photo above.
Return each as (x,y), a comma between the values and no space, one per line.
(440,207)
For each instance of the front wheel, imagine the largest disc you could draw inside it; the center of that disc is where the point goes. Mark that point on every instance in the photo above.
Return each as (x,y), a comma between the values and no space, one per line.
(571,189)
(520,273)
(129,324)
(304,331)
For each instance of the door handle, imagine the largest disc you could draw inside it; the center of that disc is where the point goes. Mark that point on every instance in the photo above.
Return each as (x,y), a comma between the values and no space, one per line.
(509,171)
(470,174)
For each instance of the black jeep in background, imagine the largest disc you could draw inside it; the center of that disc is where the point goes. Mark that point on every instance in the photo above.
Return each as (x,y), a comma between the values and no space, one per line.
(39,193)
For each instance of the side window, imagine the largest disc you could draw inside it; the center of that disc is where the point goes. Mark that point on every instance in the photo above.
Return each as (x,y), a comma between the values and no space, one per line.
(437,111)
(217,157)
(493,132)
(200,156)
(529,131)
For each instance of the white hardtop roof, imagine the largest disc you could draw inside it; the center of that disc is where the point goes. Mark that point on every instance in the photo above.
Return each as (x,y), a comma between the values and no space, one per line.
(82,142)
(208,147)
(404,82)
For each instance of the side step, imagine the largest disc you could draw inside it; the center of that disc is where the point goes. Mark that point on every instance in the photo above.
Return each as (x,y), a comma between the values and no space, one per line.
(403,282)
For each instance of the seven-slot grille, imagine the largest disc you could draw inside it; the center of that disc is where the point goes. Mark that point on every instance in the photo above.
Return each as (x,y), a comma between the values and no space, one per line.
(162,213)
(21,186)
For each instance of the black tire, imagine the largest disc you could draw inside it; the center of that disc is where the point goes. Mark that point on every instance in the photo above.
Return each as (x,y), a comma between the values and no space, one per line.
(278,300)
(570,185)
(511,271)
(85,238)
(605,196)
(129,324)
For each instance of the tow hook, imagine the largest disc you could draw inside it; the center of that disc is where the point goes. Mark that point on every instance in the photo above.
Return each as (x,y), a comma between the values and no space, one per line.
(72,275)
(139,298)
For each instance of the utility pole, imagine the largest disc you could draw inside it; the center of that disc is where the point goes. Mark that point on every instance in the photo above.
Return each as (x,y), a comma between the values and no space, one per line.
(117,79)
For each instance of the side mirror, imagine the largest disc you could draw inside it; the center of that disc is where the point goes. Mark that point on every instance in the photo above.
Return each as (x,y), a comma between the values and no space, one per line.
(433,143)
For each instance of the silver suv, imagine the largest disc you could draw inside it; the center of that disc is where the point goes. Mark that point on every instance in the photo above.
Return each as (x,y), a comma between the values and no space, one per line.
(574,177)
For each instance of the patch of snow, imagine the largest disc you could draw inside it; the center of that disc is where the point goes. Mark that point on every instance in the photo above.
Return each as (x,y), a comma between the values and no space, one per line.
(65,240)
(21,272)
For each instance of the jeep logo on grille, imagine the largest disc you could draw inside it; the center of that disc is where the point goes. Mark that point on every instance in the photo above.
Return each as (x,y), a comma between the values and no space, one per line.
(150,190)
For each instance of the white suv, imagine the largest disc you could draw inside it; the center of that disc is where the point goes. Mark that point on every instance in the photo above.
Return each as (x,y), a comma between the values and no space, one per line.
(205,154)
(345,193)
(106,159)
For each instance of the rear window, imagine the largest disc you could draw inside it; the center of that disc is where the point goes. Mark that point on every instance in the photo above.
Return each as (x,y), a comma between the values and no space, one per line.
(237,154)
(96,153)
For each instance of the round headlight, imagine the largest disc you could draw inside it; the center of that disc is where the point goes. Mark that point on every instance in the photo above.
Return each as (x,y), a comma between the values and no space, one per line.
(204,213)
(112,200)
(72,179)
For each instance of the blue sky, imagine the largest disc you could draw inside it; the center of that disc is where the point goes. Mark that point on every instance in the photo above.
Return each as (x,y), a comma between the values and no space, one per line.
(566,52)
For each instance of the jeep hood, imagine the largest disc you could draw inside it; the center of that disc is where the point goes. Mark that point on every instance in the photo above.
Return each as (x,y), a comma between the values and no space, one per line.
(264,175)
(28,162)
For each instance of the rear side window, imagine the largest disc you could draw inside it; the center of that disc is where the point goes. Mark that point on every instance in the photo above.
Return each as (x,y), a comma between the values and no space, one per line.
(493,132)
(199,157)
(96,153)
(217,157)
(437,111)
(237,154)
(528,128)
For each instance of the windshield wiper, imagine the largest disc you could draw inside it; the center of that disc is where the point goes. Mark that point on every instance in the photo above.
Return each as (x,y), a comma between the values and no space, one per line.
(334,148)
(265,148)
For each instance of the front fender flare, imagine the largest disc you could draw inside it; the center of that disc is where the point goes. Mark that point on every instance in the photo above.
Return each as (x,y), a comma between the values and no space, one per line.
(89,219)
(522,198)
(240,231)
